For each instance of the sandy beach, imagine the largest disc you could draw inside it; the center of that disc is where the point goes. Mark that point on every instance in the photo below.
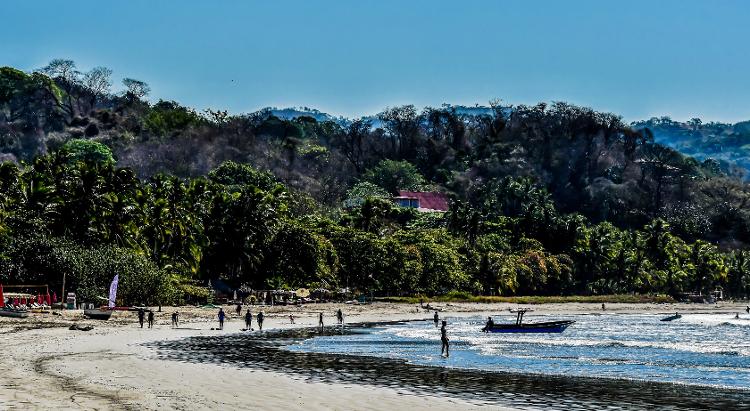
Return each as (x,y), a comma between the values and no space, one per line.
(46,365)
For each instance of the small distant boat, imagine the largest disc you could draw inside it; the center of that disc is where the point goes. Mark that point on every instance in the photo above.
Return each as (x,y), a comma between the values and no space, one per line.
(13,312)
(672,317)
(103,313)
(520,327)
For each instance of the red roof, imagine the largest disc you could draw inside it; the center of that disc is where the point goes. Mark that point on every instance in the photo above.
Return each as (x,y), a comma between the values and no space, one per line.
(429,201)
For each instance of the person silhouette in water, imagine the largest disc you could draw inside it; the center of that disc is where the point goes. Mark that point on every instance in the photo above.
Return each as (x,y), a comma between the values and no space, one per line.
(260,320)
(489,325)
(444,339)
(436,318)
(150,319)
(141,315)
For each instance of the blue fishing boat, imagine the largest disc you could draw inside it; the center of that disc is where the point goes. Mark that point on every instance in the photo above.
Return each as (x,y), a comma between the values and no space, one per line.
(520,327)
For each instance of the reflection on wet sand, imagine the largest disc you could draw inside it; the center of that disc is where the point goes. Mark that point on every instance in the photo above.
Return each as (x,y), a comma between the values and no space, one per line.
(266,351)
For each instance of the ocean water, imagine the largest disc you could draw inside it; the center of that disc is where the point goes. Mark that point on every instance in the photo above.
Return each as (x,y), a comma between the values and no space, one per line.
(709,350)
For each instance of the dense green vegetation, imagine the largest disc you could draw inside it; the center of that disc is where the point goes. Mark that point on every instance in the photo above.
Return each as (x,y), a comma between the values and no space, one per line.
(546,200)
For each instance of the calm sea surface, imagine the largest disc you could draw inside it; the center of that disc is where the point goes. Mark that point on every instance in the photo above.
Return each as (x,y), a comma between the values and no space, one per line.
(698,349)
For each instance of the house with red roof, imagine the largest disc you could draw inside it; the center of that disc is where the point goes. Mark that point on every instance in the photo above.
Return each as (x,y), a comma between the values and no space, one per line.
(423,201)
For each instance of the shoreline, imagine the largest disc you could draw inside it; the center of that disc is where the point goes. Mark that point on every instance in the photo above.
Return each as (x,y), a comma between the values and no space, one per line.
(464,383)
(115,366)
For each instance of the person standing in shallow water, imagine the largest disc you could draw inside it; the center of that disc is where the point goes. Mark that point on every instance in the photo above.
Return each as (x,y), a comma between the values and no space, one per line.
(340,316)
(444,339)
(320,321)
(150,319)
(260,320)
(489,325)
(141,315)
(436,318)
(248,320)
(221,318)
(175,320)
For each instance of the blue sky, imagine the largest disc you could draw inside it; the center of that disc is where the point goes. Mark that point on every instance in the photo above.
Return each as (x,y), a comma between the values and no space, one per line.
(682,58)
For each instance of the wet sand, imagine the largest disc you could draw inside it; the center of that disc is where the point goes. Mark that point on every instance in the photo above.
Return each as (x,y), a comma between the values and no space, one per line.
(120,366)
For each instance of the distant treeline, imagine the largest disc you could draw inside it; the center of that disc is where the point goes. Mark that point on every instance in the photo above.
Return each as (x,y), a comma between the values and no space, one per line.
(550,199)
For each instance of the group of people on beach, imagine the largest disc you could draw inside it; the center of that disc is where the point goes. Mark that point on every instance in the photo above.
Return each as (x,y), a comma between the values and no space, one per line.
(339,318)
(151,316)
(148,317)
(248,318)
(261,317)
(142,315)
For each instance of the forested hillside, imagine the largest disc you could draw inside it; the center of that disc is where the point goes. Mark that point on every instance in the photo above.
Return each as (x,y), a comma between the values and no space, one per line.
(727,144)
(548,199)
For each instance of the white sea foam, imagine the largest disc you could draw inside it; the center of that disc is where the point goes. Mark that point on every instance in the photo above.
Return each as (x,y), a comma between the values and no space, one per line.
(697,349)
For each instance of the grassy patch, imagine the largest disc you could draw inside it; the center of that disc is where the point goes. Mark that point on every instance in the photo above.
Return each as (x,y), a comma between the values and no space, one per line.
(465,297)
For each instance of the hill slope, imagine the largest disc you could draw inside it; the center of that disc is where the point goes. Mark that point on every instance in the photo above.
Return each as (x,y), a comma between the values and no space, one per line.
(728,144)
(545,199)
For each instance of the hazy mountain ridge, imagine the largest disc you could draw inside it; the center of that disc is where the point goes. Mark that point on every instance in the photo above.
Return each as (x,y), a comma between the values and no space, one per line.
(729,144)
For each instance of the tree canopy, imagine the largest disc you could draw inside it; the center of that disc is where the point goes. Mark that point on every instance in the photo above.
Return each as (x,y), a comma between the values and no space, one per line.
(548,199)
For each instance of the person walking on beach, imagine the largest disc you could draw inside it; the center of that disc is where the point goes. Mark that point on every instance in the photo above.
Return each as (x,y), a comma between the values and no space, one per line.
(436,317)
(150,319)
(603,307)
(248,320)
(320,321)
(239,309)
(175,320)
(260,320)
(444,339)
(141,315)
(221,318)
(747,309)
(291,319)
(340,316)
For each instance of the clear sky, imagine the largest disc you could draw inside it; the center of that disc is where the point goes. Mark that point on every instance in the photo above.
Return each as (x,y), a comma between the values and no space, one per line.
(682,58)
